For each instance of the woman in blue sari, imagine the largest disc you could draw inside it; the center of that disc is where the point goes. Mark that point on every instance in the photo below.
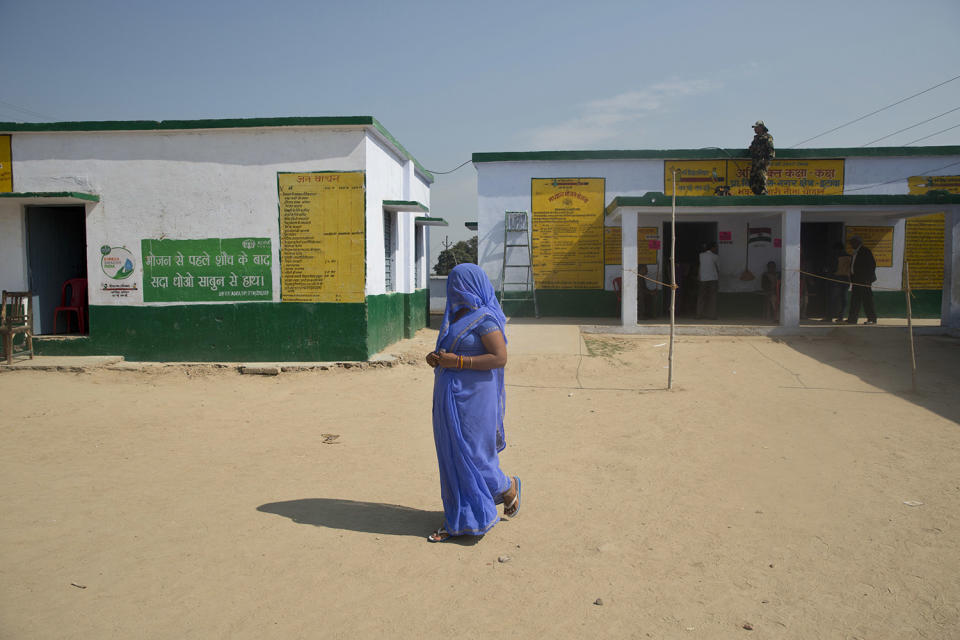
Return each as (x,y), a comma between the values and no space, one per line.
(468,407)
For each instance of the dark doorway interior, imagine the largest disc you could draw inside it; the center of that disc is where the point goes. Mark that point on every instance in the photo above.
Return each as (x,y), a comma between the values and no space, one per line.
(56,251)
(816,256)
(692,238)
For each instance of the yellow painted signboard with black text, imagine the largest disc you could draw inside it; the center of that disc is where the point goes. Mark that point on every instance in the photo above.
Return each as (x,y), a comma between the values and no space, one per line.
(322,236)
(920,185)
(6,165)
(567,232)
(923,249)
(647,244)
(784,177)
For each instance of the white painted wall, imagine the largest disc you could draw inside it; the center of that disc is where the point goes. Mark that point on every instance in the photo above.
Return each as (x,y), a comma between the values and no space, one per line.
(391,177)
(505,186)
(219,183)
(13,244)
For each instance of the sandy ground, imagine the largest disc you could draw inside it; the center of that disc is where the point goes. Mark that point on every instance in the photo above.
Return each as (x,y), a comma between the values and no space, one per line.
(769,489)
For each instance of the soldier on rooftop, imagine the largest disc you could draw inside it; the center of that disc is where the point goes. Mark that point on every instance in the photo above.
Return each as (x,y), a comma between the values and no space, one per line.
(761,153)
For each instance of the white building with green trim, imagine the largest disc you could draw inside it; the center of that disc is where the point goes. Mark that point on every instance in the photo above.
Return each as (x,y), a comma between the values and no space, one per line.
(191,252)
(907,199)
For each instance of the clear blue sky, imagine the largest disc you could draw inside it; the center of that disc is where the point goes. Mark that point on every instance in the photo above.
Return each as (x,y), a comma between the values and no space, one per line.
(452,78)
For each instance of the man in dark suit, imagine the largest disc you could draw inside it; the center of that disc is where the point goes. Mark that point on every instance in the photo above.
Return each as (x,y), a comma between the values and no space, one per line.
(863,273)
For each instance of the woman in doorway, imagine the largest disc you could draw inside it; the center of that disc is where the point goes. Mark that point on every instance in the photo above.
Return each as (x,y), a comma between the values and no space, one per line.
(468,407)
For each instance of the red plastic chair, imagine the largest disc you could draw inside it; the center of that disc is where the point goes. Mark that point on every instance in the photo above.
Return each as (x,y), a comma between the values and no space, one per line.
(617,283)
(76,304)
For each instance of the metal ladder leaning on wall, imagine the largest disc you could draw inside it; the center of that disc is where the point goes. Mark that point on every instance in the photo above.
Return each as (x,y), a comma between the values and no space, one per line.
(516,235)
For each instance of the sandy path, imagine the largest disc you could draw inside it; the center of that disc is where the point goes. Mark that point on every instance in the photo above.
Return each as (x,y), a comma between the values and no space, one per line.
(768,489)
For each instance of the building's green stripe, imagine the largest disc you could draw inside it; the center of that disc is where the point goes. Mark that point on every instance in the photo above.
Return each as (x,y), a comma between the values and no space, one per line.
(389,136)
(733,306)
(247,332)
(711,153)
(385,321)
(584,303)
(893,304)
(166,125)
(416,308)
(407,205)
(657,199)
(90,197)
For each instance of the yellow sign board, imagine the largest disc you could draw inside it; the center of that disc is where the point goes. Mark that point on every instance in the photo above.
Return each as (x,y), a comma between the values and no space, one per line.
(695,177)
(322,236)
(878,239)
(648,239)
(784,177)
(923,249)
(567,232)
(6,165)
(920,185)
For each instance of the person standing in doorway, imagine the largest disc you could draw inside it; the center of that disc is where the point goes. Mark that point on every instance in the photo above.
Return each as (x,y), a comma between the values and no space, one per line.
(838,290)
(709,283)
(863,273)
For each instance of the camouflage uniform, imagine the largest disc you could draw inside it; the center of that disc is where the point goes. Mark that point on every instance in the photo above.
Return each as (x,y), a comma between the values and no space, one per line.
(761,153)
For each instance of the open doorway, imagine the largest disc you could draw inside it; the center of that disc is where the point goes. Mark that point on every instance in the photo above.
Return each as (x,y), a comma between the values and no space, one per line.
(692,238)
(56,252)
(817,240)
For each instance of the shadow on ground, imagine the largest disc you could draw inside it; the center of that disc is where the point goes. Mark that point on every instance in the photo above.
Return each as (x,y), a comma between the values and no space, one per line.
(351,515)
(880,356)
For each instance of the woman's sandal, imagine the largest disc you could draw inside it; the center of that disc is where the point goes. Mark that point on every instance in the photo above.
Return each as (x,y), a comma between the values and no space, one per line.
(440,535)
(511,510)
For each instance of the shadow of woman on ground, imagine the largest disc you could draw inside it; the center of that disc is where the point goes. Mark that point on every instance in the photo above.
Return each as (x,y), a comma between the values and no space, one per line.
(352,515)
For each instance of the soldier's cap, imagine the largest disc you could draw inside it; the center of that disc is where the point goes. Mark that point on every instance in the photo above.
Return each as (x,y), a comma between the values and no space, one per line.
(759,123)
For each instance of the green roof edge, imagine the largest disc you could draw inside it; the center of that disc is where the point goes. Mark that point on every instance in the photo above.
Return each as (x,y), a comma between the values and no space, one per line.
(656,199)
(710,153)
(407,203)
(90,197)
(215,123)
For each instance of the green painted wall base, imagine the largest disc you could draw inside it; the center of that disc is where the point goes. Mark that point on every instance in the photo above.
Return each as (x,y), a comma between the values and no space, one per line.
(247,332)
(416,311)
(582,303)
(732,306)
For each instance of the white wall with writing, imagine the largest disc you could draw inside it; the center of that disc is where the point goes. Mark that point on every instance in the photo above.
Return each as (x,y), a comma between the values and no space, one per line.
(190,184)
(505,186)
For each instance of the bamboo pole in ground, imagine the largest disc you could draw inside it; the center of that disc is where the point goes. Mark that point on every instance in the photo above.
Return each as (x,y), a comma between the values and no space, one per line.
(673,278)
(913,355)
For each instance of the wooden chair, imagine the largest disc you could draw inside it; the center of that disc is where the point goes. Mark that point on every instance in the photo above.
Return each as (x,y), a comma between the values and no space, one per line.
(16,316)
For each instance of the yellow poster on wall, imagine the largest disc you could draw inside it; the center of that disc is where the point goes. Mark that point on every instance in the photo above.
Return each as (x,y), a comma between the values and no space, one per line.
(6,165)
(567,232)
(322,236)
(920,185)
(648,241)
(694,177)
(784,177)
(923,249)
(878,239)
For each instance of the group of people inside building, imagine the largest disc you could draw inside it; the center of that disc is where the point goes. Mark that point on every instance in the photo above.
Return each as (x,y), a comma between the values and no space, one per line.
(844,273)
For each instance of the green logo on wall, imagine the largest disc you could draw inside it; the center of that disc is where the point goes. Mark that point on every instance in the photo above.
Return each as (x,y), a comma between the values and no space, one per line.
(117,262)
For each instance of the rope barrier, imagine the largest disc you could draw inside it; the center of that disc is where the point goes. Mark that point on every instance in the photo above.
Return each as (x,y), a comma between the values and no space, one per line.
(640,275)
(806,273)
(848,282)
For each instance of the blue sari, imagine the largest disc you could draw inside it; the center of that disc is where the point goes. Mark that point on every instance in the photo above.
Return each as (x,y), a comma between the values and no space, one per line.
(468,408)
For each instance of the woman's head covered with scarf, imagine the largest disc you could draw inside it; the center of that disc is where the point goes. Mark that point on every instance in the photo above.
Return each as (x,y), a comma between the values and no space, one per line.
(469,287)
